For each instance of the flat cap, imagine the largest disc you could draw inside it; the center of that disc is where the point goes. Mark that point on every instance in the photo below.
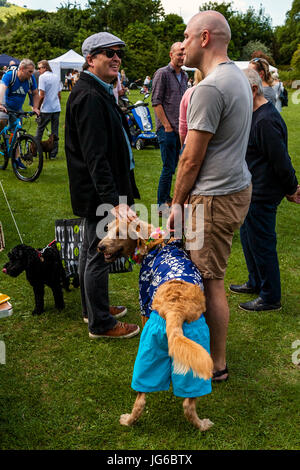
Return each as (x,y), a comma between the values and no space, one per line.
(98,40)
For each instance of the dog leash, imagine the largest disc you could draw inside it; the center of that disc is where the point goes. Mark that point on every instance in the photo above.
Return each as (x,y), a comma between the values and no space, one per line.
(11,213)
(158,234)
(41,252)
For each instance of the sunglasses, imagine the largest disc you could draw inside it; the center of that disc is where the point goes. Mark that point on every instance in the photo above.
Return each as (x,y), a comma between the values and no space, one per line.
(259,59)
(110,53)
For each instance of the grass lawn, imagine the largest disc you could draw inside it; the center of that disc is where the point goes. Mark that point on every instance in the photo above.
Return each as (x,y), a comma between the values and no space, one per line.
(60,390)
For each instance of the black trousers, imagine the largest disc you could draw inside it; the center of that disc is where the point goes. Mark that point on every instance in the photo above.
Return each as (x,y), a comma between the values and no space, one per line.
(93,275)
(258,238)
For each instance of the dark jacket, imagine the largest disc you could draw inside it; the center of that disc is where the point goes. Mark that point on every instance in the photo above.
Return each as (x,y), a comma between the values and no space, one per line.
(97,153)
(273,175)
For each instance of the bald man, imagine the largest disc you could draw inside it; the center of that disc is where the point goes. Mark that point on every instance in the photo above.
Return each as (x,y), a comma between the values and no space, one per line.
(168,87)
(212,171)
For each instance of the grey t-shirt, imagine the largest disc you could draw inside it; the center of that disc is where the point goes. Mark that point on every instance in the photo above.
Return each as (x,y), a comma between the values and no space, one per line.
(270,94)
(222,104)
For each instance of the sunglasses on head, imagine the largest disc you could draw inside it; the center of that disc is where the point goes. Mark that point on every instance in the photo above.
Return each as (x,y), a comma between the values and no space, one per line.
(259,59)
(110,53)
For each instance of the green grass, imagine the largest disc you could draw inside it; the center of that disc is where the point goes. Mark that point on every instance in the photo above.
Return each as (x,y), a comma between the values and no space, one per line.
(60,390)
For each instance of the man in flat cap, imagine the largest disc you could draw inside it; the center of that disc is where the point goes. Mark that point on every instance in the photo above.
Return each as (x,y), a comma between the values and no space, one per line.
(100,166)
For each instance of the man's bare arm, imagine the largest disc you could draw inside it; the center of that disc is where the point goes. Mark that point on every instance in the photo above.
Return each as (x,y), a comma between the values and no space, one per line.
(36,102)
(189,166)
(190,163)
(41,98)
(3,89)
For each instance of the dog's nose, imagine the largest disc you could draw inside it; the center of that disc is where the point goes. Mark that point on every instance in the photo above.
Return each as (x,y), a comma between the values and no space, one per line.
(101,248)
(4,270)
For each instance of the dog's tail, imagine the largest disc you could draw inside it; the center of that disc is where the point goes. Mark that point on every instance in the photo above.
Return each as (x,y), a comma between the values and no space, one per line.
(186,353)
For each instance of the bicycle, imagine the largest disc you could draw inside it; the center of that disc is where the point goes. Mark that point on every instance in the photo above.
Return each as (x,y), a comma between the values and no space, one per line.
(23,149)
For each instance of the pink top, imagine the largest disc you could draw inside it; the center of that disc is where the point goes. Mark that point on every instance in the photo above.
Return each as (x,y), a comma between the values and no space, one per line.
(183,111)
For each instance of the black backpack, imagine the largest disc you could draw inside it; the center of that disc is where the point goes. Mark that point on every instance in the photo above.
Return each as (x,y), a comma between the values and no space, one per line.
(284,98)
(14,70)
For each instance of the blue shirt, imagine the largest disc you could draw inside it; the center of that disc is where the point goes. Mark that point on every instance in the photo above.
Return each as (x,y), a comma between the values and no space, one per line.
(165,264)
(15,95)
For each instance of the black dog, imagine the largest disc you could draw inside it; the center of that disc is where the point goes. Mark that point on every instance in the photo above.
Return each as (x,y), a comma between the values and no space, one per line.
(41,267)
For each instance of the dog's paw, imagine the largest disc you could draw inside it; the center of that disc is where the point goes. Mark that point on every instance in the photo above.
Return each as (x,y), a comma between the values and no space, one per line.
(125,420)
(205,424)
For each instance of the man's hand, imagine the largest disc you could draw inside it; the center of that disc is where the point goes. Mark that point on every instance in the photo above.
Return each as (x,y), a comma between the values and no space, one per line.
(294,197)
(3,108)
(36,110)
(123,212)
(175,222)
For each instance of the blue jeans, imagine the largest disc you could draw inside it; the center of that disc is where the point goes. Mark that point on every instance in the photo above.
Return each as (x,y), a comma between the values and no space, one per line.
(169,144)
(259,241)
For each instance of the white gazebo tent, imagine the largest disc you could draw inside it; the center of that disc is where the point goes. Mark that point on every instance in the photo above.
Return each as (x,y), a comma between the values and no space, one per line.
(240,64)
(67,61)
(244,65)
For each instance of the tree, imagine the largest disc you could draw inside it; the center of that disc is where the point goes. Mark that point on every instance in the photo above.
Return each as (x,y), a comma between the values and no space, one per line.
(288,36)
(258,48)
(140,58)
(245,27)
(118,14)
(170,30)
(295,63)
(37,34)
(262,55)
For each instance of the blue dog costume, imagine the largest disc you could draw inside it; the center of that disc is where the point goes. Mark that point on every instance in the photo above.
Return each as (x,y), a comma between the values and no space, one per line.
(153,369)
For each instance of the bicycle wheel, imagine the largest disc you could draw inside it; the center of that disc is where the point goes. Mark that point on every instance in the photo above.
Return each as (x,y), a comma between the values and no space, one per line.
(3,153)
(27,158)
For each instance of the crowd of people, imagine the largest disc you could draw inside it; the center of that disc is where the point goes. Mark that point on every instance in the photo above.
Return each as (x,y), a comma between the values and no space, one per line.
(71,78)
(44,90)
(223,135)
(234,161)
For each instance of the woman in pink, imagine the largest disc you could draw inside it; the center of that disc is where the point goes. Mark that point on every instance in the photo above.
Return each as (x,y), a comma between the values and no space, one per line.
(183,129)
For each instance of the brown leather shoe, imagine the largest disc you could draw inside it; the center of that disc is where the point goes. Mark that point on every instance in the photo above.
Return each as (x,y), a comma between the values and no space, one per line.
(120,330)
(116,311)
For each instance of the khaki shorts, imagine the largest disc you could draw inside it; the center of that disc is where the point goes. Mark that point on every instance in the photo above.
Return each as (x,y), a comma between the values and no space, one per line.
(222,215)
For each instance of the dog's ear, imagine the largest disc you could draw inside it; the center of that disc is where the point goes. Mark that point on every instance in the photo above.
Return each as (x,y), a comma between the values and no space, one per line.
(141,231)
(31,255)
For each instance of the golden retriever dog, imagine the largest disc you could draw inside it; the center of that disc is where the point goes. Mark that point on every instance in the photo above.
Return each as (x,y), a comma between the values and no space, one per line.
(177,302)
